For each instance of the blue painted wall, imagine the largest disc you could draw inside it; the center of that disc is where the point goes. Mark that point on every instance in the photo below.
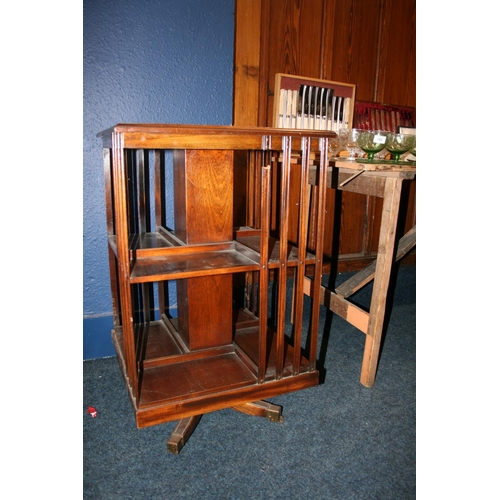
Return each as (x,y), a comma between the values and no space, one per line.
(154,61)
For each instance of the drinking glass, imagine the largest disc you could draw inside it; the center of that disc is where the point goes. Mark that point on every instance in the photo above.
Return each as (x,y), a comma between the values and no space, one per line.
(348,141)
(413,148)
(372,141)
(334,146)
(397,144)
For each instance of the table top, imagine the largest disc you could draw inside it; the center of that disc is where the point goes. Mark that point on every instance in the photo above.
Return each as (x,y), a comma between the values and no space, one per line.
(376,167)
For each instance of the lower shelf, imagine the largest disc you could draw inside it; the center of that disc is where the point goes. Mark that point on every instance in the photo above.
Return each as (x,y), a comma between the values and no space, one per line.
(181,384)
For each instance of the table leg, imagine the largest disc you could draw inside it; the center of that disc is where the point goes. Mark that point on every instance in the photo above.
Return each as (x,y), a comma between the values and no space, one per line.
(385,256)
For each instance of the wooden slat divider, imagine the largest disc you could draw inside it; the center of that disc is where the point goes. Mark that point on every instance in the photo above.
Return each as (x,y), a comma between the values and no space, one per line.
(282,269)
(122,244)
(320,234)
(142,192)
(264,272)
(298,297)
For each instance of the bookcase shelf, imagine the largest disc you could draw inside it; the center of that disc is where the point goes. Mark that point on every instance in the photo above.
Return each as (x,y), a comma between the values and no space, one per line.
(213,348)
(171,266)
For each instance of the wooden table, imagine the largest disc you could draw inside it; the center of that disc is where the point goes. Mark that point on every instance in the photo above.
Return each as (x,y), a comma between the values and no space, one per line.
(384,181)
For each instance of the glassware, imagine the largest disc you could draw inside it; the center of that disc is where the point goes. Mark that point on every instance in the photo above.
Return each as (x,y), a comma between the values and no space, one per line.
(348,138)
(334,146)
(411,157)
(372,141)
(413,148)
(398,144)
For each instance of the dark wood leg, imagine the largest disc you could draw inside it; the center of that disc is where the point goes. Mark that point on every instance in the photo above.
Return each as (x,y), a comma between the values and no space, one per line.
(181,433)
(261,409)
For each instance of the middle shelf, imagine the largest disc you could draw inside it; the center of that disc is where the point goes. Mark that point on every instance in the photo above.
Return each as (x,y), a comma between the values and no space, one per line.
(154,258)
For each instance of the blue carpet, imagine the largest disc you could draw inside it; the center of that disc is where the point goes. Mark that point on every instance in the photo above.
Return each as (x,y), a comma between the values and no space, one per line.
(339,440)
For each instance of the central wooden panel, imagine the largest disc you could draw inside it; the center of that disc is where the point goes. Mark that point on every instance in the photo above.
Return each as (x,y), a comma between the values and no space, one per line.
(203,187)
(203,182)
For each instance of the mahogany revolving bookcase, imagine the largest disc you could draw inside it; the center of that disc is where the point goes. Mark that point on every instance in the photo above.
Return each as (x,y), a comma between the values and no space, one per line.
(187,342)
